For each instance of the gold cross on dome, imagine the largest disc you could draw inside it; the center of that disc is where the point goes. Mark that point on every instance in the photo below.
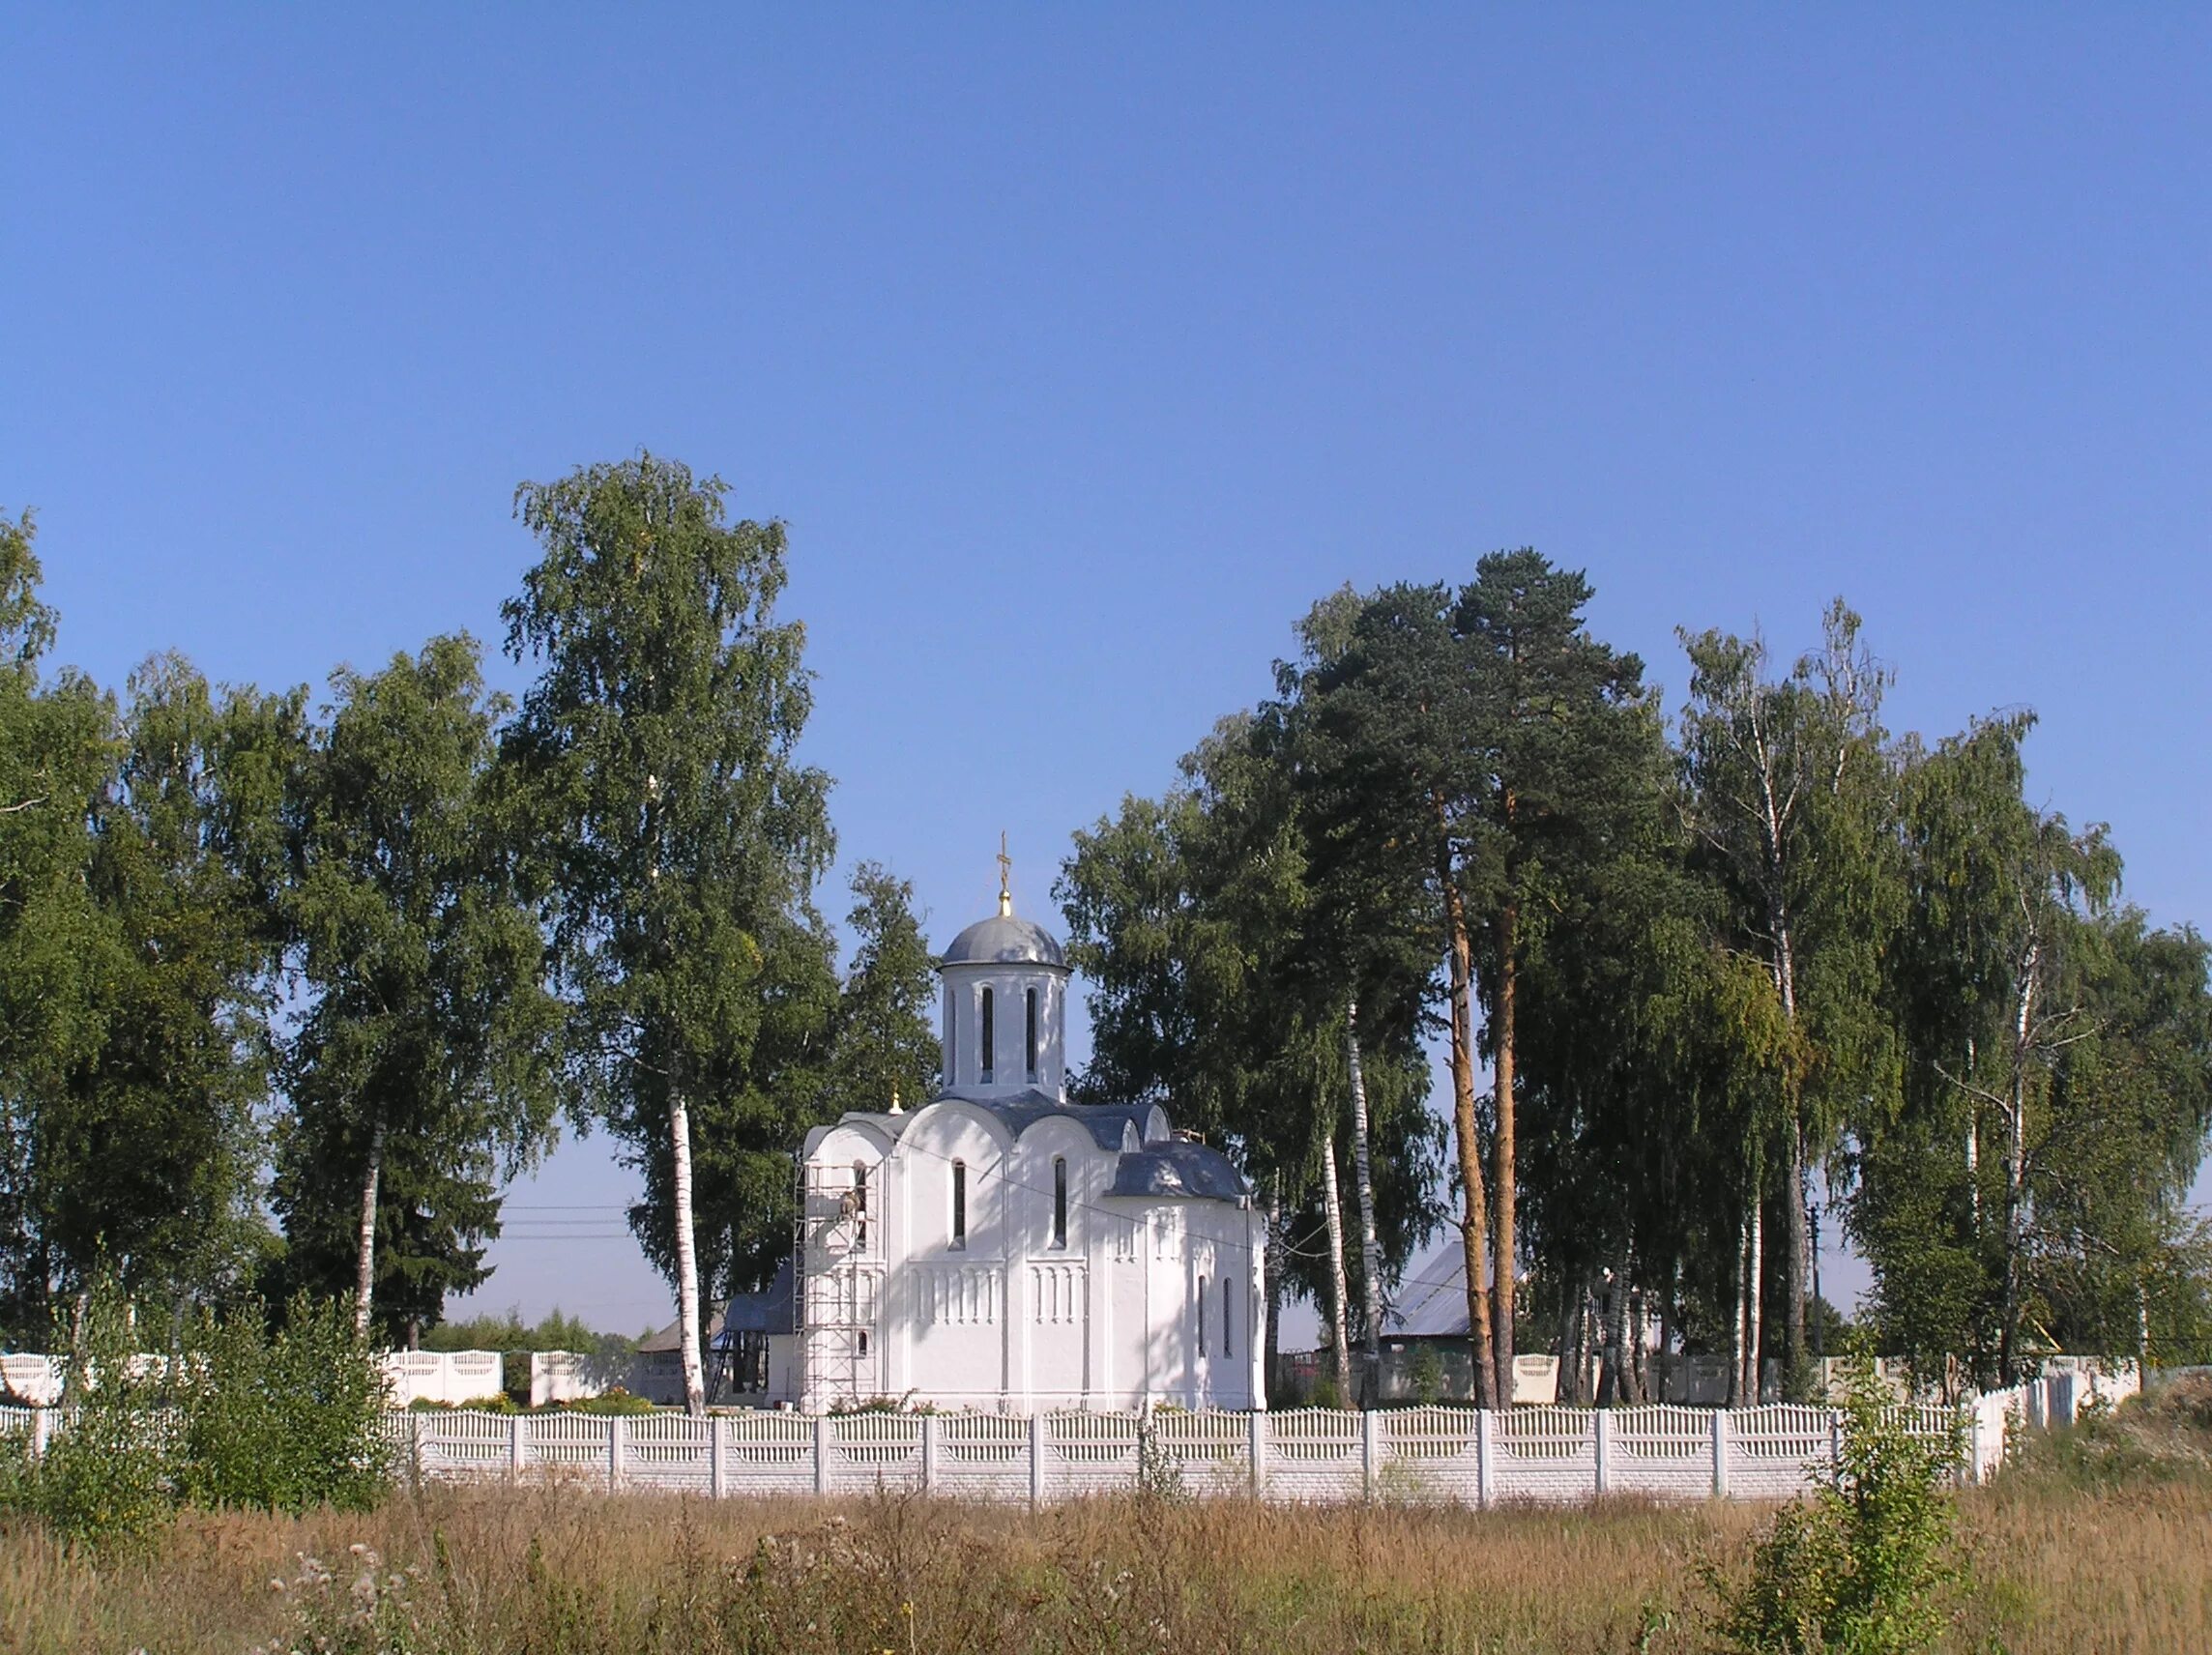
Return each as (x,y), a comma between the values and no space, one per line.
(1005,876)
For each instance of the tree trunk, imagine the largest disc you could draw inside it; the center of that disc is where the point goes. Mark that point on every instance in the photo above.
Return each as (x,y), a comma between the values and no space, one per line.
(1742,1316)
(1794,1251)
(1797,1255)
(1363,1191)
(1505,1030)
(1755,1303)
(1474,1227)
(687,1258)
(1333,1211)
(2016,1162)
(1564,1349)
(364,1268)
(1638,1354)
(1613,1386)
(1274,1258)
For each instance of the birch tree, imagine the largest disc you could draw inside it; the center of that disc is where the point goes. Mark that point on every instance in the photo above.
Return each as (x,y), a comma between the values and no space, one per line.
(419,1071)
(679,839)
(1786,786)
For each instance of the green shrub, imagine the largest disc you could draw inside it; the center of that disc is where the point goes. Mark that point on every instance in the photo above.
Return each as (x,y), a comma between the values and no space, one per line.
(107,1477)
(1427,1375)
(1866,1566)
(615,1401)
(287,1420)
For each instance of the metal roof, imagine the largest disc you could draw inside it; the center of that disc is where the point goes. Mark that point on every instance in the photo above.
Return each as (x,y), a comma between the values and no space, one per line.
(1193,1171)
(1006,939)
(1020,1110)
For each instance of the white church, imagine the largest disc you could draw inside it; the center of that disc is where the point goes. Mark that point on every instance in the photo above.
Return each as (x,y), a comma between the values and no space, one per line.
(1003,1249)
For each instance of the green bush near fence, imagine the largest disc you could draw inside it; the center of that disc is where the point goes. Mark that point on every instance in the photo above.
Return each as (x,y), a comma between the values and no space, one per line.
(1868,1564)
(241,1415)
(109,1477)
(284,1420)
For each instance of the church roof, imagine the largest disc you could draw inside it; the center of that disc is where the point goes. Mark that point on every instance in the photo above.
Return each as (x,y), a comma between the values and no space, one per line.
(1179,1167)
(1006,939)
(1025,1109)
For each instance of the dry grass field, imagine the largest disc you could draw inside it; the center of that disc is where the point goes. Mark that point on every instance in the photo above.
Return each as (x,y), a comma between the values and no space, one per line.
(2105,1546)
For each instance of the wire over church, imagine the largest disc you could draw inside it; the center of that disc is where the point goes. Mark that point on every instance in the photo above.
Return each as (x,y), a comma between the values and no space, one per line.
(1001,1248)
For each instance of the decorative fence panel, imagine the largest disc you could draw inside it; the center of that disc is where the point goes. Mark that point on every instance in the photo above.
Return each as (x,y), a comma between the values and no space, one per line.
(1091,1452)
(1432,1453)
(1316,1453)
(871,1451)
(766,1453)
(1207,1453)
(983,1457)
(1659,1451)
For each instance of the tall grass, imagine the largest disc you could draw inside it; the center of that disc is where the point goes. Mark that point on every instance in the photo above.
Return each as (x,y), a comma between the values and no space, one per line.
(2058,1566)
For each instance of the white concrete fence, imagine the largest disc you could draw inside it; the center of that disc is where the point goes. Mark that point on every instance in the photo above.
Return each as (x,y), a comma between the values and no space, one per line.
(1549,1455)
(1545,1455)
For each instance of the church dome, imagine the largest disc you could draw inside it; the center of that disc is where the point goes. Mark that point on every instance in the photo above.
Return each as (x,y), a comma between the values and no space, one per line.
(1004,939)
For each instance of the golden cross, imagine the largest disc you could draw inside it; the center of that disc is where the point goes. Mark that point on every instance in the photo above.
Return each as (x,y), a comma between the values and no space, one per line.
(1005,876)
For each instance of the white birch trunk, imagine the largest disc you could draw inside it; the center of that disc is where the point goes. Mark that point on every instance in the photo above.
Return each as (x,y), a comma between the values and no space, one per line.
(687,1260)
(2016,1156)
(1335,1212)
(364,1271)
(1742,1317)
(1755,1309)
(1363,1190)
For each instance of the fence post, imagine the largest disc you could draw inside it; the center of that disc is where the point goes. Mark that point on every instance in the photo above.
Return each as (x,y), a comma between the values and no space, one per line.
(1485,1459)
(1968,1458)
(718,1478)
(617,1429)
(514,1446)
(42,1432)
(1368,1421)
(821,1453)
(1256,1440)
(1719,1452)
(929,1453)
(1604,1423)
(1037,1462)
(1974,1444)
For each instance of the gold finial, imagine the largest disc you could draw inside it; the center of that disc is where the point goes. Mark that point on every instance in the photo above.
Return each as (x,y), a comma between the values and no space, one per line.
(1006,877)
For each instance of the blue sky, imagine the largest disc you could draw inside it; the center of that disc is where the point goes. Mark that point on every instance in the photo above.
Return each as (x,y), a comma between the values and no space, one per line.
(1082,349)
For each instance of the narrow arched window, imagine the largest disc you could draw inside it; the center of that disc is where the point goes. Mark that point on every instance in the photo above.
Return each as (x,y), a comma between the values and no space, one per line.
(859,1207)
(1201,1315)
(1060,1201)
(988,1055)
(1227,1317)
(952,1038)
(960,1203)
(1033,1035)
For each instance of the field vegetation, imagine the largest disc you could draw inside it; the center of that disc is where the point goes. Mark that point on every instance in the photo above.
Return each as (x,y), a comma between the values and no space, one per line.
(2094,1541)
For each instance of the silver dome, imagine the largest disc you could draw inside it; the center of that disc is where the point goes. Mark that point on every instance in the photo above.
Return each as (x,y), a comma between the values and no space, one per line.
(1004,939)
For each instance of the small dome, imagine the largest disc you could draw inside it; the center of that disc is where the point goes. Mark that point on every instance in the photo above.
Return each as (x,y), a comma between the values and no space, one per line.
(1005,940)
